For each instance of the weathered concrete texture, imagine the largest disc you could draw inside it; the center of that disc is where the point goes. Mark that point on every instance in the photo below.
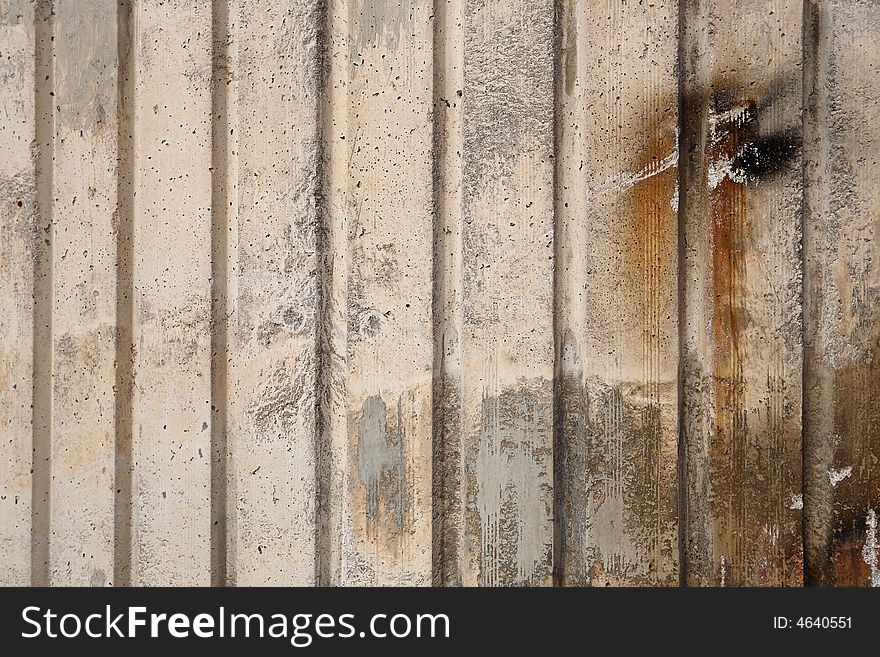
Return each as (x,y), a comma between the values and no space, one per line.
(471,292)
(506,334)
(84,131)
(842,293)
(742,341)
(171,397)
(389,344)
(617,313)
(271,295)
(18,239)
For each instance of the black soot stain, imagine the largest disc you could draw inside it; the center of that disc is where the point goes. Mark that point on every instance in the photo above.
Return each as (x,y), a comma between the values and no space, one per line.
(763,157)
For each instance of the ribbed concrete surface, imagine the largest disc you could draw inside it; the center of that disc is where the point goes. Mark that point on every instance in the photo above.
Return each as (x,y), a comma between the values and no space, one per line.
(471,292)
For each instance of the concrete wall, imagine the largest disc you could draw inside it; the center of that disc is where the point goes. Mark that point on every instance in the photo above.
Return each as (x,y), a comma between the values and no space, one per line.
(464,292)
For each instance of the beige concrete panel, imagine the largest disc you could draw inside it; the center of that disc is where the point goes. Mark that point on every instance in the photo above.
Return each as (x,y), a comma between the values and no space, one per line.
(171,397)
(84,293)
(389,344)
(272,295)
(506,334)
(617,295)
(19,230)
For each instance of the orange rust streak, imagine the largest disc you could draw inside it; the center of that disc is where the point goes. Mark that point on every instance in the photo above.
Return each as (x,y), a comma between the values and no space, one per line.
(727,213)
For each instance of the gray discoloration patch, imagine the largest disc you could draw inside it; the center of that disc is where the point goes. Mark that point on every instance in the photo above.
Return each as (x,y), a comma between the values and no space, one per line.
(98,578)
(381,465)
(618,485)
(14,12)
(17,195)
(379,22)
(615,549)
(513,486)
(619,500)
(869,551)
(186,329)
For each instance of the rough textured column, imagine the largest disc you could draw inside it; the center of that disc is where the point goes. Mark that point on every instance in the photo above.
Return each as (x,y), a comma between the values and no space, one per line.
(742,337)
(20,234)
(506,336)
(171,400)
(842,294)
(84,293)
(617,294)
(271,303)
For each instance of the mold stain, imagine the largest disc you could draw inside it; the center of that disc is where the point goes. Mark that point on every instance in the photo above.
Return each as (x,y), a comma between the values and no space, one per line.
(762,157)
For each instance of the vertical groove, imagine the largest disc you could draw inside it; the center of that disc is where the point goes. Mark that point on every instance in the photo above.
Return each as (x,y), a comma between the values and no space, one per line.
(439,474)
(323,325)
(816,505)
(42,326)
(447,460)
(559,474)
(682,164)
(219,289)
(331,244)
(122,556)
(322,470)
(325,121)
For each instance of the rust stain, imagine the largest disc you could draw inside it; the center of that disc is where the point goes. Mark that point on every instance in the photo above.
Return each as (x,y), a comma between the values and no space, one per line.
(856,407)
(727,216)
(617,464)
(849,566)
(747,465)
(650,265)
